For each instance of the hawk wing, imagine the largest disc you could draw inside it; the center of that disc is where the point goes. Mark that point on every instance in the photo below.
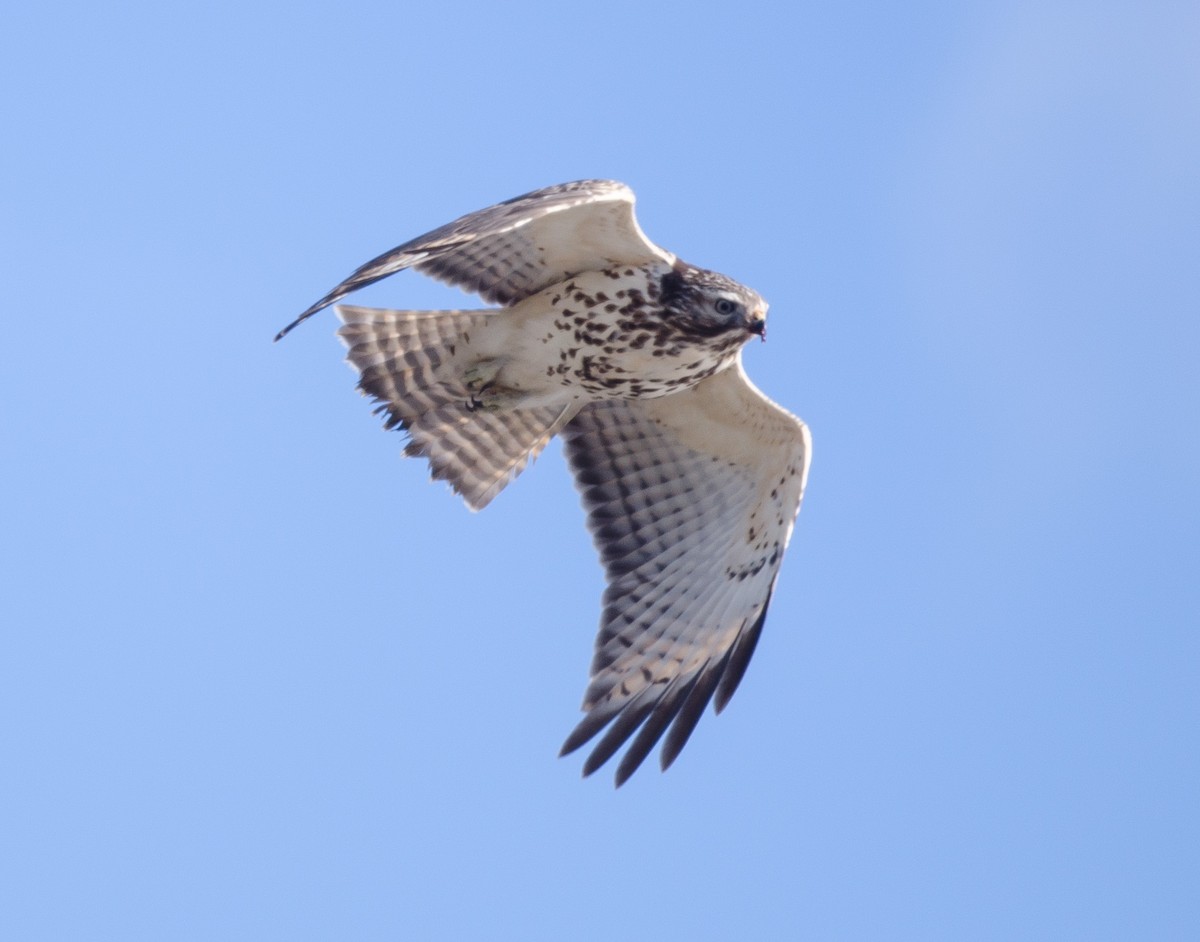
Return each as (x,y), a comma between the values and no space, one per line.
(516,248)
(691,500)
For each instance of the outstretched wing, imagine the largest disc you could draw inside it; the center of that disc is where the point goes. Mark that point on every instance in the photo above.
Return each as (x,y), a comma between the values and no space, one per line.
(516,248)
(691,500)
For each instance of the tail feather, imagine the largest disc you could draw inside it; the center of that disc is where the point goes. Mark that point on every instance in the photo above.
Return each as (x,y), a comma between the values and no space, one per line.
(407,362)
(480,453)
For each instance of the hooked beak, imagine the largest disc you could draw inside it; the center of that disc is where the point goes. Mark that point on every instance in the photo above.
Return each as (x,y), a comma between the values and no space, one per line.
(756,323)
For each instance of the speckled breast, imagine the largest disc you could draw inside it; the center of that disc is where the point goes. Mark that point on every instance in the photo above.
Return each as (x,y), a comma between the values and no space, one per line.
(615,341)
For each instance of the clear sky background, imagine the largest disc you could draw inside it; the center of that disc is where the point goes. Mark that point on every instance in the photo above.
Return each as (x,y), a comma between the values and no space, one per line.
(261,680)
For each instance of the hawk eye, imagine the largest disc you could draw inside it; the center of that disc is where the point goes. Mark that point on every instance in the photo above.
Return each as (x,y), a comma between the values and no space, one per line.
(725,307)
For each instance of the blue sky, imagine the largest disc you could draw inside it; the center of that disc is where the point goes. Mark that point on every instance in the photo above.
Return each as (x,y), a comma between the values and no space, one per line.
(261,680)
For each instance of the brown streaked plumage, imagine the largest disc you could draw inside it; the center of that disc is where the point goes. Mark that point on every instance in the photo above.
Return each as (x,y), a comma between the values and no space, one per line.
(691,478)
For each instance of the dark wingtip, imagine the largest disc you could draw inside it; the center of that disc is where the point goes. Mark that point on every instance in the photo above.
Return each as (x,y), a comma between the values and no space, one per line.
(625,725)
(665,711)
(689,713)
(631,762)
(594,761)
(589,726)
(739,658)
(319,306)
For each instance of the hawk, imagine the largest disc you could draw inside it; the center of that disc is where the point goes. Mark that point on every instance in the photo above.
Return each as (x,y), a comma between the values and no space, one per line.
(691,478)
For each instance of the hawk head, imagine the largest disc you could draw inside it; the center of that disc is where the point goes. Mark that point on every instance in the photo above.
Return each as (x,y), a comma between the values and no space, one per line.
(709,304)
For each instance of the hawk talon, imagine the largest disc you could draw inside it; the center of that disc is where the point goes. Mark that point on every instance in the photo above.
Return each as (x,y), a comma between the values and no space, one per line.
(490,397)
(481,376)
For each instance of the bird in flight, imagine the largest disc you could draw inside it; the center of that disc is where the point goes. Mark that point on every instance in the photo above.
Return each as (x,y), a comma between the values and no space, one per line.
(691,478)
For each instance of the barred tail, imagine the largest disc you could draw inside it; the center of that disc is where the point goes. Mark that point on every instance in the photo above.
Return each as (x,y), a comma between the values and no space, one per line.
(406,362)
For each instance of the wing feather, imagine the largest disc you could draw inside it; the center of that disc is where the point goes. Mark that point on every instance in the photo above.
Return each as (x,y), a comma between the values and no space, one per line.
(691,500)
(516,248)
(690,711)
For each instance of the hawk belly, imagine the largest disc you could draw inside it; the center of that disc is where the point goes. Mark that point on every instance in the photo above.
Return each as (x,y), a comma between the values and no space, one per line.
(598,335)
